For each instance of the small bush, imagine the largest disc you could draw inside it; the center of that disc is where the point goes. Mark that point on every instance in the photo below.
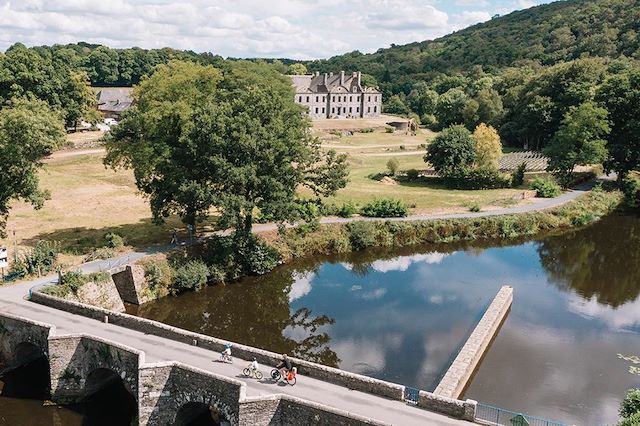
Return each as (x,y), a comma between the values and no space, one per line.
(385,207)
(389,129)
(192,276)
(402,147)
(114,241)
(517,177)
(630,404)
(392,165)
(40,260)
(347,210)
(475,208)
(367,130)
(476,178)
(631,189)
(329,209)
(633,420)
(546,188)
(362,234)
(413,175)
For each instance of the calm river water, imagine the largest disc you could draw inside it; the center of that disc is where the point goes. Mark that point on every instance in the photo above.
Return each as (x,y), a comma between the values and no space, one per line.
(402,315)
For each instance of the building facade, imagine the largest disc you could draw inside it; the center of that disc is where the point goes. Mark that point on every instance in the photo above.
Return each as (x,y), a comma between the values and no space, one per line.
(336,96)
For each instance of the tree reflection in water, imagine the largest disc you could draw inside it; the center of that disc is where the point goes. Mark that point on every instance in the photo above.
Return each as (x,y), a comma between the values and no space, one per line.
(601,261)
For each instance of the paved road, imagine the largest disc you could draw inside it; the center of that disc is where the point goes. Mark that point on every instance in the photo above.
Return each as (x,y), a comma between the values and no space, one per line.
(161,350)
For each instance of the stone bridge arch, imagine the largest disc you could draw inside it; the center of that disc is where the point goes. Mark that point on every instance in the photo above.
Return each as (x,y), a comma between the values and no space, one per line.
(172,393)
(82,365)
(22,341)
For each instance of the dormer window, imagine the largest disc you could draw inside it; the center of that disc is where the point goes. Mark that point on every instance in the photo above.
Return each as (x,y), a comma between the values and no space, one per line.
(355,89)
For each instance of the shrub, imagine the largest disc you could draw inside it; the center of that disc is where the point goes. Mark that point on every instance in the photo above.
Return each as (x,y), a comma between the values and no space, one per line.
(347,210)
(517,176)
(546,188)
(256,257)
(413,174)
(237,257)
(630,404)
(41,259)
(392,165)
(476,178)
(73,280)
(633,420)
(429,120)
(328,209)
(114,241)
(475,208)
(367,130)
(402,147)
(385,207)
(389,129)
(362,234)
(192,276)
(631,189)
(452,149)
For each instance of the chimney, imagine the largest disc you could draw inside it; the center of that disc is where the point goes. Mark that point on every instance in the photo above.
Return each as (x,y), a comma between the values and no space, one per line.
(341,78)
(325,78)
(359,78)
(317,73)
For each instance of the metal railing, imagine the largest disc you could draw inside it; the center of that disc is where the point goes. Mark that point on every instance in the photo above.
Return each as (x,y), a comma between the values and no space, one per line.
(490,415)
(411,395)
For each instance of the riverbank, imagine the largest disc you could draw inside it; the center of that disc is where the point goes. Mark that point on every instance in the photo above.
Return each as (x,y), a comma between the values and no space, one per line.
(175,272)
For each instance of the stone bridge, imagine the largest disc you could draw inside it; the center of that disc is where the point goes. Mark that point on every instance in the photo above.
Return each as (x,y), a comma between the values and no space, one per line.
(172,376)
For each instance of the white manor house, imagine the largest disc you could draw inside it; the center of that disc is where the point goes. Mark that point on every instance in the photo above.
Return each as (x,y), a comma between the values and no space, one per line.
(337,96)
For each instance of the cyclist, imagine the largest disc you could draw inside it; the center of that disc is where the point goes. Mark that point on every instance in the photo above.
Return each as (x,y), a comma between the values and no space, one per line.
(227,351)
(284,366)
(254,365)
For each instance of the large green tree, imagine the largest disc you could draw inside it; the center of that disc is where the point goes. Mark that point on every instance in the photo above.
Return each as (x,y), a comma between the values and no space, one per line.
(29,131)
(453,149)
(620,94)
(233,140)
(579,141)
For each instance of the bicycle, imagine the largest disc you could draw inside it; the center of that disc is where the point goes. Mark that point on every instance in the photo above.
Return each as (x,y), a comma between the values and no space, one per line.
(226,358)
(251,372)
(290,377)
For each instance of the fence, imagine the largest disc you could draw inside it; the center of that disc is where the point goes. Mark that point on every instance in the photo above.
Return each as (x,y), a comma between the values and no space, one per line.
(490,415)
(411,395)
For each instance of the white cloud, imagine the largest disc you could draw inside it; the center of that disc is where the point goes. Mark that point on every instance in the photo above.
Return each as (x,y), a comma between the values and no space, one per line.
(301,286)
(403,263)
(622,318)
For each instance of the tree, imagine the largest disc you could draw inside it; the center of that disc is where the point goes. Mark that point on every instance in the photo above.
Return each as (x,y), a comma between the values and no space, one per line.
(620,94)
(234,141)
(578,141)
(297,69)
(488,147)
(395,105)
(422,100)
(392,166)
(451,150)
(29,131)
(450,109)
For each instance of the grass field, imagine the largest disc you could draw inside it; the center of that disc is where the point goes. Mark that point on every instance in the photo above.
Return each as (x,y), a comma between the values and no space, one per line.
(89,200)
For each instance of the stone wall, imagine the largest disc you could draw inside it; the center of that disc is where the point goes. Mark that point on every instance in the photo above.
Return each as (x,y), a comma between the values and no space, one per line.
(451,407)
(167,387)
(16,331)
(103,294)
(261,411)
(72,358)
(456,378)
(131,284)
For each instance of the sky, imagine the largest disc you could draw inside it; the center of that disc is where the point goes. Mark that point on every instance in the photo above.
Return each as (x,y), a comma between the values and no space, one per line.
(297,29)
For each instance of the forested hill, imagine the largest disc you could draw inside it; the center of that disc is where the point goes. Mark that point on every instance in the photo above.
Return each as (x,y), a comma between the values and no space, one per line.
(546,34)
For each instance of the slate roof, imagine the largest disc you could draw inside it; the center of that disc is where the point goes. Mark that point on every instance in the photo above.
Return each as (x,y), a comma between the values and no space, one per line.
(115,99)
(329,83)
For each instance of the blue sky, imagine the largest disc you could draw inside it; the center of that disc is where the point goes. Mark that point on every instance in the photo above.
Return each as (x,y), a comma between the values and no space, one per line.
(301,29)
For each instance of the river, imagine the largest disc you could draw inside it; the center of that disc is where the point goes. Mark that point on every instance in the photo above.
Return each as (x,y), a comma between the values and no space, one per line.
(402,315)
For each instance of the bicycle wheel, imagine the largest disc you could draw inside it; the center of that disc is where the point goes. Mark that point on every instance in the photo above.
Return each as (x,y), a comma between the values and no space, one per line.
(259,375)
(275,375)
(246,372)
(292,381)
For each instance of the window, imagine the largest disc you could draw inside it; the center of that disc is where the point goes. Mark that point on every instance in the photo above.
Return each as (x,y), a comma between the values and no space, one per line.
(368,109)
(350,98)
(339,98)
(354,89)
(316,110)
(357,109)
(323,110)
(375,99)
(375,109)
(316,98)
(299,98)
(307,99)
(369,99)
(350,109)
(333,99)
(333,110)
